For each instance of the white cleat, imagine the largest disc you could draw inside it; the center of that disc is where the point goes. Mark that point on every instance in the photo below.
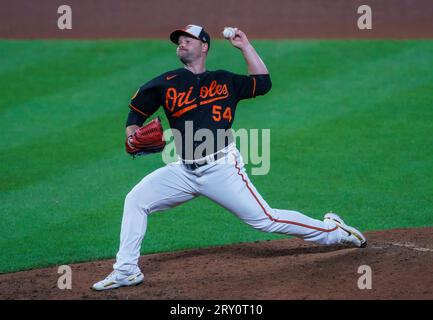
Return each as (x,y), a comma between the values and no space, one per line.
(117,279)
(351,236)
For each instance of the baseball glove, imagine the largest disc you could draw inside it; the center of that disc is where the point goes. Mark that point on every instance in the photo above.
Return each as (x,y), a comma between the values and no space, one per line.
(146,139)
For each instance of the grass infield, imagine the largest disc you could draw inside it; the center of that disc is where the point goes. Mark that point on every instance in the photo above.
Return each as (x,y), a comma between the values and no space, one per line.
(351,131)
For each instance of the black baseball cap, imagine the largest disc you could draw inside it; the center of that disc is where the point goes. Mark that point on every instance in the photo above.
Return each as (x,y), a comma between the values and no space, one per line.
(193,31)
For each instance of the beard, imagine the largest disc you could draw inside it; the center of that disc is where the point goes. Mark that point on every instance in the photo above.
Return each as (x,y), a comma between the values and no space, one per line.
(186,56)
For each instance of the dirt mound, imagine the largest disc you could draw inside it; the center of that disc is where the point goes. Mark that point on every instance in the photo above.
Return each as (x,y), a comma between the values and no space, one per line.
(401,262)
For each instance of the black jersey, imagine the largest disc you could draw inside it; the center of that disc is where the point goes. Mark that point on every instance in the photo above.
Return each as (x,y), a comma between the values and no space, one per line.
(199,107)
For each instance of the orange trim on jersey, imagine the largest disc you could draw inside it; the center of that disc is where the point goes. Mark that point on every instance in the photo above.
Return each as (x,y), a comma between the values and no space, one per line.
(269,216)
(254,86)
(140,112)
(182,111)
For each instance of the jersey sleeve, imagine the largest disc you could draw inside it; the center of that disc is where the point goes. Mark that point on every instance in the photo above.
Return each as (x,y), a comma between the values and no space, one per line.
(146,99)
(251,86)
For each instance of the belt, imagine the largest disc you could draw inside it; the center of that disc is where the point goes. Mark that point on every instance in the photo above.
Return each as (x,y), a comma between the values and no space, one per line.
(193,165)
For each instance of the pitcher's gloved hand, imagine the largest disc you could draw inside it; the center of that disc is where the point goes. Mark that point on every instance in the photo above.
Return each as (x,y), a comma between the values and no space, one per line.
(146,139)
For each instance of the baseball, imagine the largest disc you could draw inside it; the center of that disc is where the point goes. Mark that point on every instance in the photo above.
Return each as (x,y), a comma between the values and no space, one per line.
(229,32)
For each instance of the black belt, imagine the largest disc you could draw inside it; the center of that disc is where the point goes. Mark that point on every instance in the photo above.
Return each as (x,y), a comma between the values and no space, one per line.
(197,164)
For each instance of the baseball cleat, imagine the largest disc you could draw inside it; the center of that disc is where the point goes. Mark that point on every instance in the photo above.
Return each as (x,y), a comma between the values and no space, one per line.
(115,280)
(351,236)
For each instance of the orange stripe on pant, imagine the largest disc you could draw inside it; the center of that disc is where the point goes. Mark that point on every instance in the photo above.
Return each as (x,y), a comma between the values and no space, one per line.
(272,218)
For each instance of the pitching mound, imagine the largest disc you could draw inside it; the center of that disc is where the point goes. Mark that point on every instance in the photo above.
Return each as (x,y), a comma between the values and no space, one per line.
(401,263)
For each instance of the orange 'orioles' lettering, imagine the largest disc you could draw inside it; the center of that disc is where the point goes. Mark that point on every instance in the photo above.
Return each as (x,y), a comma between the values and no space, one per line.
(174,99)
(183,102)
(214,89)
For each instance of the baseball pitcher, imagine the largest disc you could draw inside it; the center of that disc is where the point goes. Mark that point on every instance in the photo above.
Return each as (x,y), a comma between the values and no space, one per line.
(194,98)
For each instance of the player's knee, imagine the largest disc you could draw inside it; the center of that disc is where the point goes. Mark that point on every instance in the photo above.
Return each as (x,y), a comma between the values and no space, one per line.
(131,197)
(133,200)
(268,227)
(130,200)
(263,225)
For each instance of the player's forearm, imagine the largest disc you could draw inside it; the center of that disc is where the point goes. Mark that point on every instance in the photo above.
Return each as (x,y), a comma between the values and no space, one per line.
(254,63)
(133,122)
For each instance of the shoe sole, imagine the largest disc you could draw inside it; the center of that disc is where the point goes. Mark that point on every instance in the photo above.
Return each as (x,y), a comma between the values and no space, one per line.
(118,285)
(351,230)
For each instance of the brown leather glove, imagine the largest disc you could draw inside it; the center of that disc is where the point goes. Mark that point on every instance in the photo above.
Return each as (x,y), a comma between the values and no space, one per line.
(146,139)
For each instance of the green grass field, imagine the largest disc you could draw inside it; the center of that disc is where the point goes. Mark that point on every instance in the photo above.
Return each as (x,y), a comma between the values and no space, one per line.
(351,127)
